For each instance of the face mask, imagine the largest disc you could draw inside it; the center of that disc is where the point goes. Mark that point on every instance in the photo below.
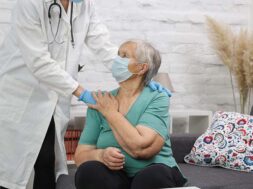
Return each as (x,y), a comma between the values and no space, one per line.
(120,69)
(76,1)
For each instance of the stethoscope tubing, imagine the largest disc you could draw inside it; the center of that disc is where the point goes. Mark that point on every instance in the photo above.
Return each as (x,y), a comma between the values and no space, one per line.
(58,25)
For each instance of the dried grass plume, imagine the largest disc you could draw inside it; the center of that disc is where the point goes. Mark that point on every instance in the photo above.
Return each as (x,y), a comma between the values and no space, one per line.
(236,52)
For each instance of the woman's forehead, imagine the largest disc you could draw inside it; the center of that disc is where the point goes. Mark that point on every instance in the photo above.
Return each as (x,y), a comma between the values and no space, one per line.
(128,46)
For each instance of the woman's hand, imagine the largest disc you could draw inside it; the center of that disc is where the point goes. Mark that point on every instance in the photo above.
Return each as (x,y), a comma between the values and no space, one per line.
(106,103)
(113,158)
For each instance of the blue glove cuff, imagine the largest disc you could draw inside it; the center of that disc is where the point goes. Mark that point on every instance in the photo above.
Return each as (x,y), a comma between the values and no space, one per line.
(86,97)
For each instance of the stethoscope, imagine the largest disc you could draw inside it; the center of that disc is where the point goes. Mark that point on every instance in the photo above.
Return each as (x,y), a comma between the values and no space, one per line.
(55,4)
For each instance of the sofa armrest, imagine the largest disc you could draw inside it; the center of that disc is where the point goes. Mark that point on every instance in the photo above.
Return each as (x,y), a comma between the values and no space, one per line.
(181,145)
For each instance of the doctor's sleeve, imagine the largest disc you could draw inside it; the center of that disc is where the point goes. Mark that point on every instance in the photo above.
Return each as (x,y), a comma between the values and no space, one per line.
(91,130)
(33,44)
(98,39)
(156,115)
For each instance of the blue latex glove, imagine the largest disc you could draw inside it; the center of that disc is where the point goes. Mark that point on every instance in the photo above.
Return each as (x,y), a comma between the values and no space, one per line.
(158,87)
(86,97)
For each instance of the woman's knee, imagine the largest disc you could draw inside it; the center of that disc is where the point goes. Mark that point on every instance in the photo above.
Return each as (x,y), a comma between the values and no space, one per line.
(88,172)
(89,169)
(95,175)
(154,176)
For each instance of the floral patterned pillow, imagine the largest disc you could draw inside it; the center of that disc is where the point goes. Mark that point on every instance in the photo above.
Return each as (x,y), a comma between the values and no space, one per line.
(228,143)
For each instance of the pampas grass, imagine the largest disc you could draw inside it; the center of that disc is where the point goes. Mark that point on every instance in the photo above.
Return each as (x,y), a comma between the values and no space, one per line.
(239,65)
(248,62)
(236,52)
(248,67)
(222,39)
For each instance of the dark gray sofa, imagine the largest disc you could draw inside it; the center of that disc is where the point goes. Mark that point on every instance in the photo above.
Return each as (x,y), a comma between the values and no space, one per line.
(202,177)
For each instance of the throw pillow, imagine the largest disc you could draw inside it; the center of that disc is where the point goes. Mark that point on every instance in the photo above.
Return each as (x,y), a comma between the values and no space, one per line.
(228,143)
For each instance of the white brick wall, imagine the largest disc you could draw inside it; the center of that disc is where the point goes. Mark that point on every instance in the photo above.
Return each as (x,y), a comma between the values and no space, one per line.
(177,28)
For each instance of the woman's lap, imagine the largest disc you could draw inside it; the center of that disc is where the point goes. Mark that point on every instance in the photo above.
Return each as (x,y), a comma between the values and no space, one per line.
(158,176)
(95,175)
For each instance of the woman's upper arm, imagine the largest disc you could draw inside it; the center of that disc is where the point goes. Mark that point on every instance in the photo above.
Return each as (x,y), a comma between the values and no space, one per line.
(153,126)
(151,142)
(156,116)
(89,136)
(91,130)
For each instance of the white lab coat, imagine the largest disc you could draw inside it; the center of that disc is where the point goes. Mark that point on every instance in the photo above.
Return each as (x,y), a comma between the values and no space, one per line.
(37,80)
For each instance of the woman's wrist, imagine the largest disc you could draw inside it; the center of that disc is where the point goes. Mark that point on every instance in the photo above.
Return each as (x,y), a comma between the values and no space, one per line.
(100,155)
(110,115)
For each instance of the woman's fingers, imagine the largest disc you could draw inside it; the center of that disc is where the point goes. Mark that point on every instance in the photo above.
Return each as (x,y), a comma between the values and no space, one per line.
(113,164)
(100,95)
(95,96)
(116,160)
(117,154)
(92,106)
(111,96)
(106,94)
(115,168)
(113,158)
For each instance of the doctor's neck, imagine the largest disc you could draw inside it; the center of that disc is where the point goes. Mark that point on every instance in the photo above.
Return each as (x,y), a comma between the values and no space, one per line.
(65,4)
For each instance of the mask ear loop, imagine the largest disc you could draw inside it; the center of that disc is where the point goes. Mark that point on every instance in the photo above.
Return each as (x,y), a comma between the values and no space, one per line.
(49,16)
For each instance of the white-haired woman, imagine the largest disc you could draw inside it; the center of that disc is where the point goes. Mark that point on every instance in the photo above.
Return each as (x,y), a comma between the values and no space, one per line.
(125,143)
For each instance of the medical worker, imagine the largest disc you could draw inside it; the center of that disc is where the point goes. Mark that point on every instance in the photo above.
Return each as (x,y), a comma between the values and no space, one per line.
(38,67)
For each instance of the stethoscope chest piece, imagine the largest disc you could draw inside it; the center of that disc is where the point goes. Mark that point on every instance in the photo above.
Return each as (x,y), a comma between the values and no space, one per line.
(54,34)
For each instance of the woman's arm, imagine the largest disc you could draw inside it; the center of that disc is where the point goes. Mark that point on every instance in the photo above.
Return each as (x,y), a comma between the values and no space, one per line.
(87,153)
(142,141)
(111,156)
(87,150)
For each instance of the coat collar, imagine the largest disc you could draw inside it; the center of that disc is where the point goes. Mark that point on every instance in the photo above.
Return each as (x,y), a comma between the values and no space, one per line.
(65,15)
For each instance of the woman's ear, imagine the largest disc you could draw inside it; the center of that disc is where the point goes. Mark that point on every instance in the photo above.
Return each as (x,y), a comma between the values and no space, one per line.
(143,68)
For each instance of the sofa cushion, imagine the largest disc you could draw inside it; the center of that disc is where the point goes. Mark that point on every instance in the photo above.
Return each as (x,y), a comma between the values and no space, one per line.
(203,177)
(67,181)
(215,177)
(181,145)
(228,142)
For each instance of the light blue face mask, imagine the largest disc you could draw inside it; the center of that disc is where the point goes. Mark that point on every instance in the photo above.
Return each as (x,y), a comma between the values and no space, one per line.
(76,1)
(120,69)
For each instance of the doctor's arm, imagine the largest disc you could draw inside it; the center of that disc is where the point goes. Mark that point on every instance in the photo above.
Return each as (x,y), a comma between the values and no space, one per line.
(33,44)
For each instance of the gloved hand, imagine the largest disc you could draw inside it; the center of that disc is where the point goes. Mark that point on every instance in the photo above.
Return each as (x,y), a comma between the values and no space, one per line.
(86,97)
(158,87)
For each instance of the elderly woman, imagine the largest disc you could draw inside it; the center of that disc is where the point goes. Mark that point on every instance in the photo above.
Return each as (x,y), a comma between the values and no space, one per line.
(125,142)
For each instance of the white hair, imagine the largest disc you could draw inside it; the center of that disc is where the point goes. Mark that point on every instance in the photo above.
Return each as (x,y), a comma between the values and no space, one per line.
(146,53)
